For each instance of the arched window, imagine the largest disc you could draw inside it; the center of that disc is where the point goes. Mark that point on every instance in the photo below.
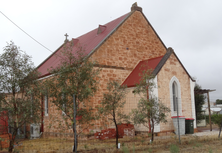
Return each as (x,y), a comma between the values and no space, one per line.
(175,96)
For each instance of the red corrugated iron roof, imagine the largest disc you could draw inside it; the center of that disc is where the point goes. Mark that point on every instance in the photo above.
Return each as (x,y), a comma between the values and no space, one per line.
(90,41)
(135,75)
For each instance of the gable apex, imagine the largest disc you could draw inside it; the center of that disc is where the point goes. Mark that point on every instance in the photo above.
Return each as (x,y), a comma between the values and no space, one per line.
(93,40)
(170,51)
(136,8)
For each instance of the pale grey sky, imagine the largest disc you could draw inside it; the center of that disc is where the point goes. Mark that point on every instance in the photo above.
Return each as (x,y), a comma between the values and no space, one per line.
(193,28)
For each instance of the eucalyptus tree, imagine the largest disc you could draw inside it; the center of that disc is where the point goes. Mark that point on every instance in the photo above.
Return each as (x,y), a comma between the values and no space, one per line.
(112,105)
(150,110)
(73,84)
(19,91)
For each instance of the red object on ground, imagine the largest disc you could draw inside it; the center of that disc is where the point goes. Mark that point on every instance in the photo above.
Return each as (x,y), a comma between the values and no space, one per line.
(108,134)
(120,130)
(123,130)
(3,123)
(5,140)
(97,135)
(112,133)
(126,130)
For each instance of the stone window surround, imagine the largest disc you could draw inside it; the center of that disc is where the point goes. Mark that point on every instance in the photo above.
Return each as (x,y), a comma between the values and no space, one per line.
(174,113)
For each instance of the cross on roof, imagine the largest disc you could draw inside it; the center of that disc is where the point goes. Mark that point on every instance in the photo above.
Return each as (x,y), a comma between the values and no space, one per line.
(66,35)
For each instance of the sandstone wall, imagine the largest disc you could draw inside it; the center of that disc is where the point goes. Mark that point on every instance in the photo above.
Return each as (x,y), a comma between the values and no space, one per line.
(172,68)
(132,42)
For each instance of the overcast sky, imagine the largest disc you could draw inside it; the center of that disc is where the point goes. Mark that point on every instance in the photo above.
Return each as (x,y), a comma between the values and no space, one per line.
(193,28)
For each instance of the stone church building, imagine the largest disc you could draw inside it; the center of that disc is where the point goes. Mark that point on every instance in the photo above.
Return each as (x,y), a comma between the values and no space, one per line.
(120,47)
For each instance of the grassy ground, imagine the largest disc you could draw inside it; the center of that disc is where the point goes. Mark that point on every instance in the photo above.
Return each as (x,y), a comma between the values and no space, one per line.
(139,144)
(189,144)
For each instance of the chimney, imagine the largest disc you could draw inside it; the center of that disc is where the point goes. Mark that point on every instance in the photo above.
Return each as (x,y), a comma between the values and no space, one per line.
(136,8)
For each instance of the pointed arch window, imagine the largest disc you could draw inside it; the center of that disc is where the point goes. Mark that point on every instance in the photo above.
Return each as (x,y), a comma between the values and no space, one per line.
(175,96)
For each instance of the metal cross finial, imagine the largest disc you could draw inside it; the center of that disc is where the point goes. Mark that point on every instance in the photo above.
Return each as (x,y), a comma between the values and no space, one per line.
(66,37)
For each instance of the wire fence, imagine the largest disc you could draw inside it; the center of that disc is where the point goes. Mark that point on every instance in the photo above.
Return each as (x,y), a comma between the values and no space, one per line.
(103,140)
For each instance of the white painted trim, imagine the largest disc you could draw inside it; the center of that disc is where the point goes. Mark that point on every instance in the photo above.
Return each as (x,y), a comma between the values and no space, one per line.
(154,93)
(155,89)
(192,85)
(45,77)
(174,113)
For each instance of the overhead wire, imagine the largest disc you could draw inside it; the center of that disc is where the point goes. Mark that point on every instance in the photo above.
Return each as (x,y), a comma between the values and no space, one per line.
(28,34)
(25,32)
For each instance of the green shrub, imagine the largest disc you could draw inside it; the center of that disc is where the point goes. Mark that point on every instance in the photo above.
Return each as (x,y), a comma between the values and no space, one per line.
(218,120)
(215,119)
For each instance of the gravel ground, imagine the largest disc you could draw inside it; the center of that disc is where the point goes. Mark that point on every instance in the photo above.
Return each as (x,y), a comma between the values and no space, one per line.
(206,133)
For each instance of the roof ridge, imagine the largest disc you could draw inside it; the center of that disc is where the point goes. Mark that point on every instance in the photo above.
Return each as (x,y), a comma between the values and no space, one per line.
(163,61)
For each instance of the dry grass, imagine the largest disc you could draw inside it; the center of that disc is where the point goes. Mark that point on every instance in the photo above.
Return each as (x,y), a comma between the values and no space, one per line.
(139,144)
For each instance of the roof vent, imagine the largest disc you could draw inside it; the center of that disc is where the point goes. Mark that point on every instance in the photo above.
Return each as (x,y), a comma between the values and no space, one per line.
(101,29)
(136,8)
(75,41)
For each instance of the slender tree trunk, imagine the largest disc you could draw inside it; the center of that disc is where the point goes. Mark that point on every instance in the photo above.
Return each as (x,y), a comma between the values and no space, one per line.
(147,90)
(74,125)
(117,134)
(75,148)
(152,130)
(15,129)
(12,141)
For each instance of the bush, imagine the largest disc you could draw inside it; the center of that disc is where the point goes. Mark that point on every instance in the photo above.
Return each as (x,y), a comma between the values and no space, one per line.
(215,119)
(218,120)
